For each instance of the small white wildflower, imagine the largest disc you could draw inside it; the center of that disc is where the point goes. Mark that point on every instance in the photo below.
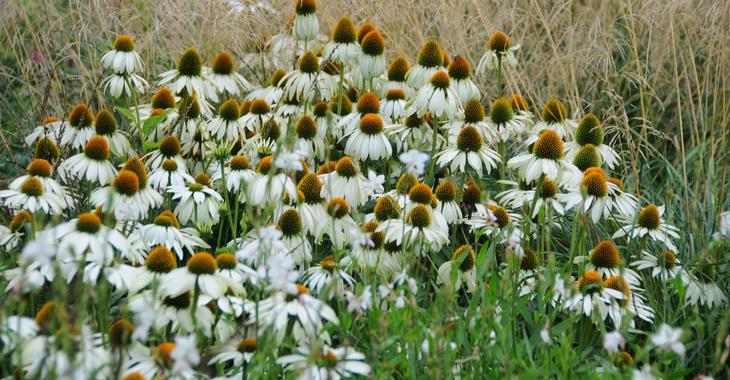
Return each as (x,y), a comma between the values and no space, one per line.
(414,161)
(145,312)
(545,335)
(643,374)
(39,252)
(669,339)
(361,238)
(613,341)
(514,243)
(185,353)
(290,160)
(373,186)
(357,304)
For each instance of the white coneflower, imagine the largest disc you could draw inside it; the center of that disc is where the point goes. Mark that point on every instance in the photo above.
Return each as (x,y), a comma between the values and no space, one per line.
(338,224)
(325,363)
(236,354)
(189,76)
(597,200)
(633,303)
(309,140)
(343,47)
(197,201)
(499,47)
(546,158)
(189,120)
(590,133)
(313,209)
(523,195)
(80,127)
(371,63)
(50,128)
(490,218)
(224,77)
(393,108)
(270,185)
(664,266)
(199,274)
(288,108)
(460,72)
(459,270)
(12,235)
(159,261)
(106,126)
(166,231)
(271,93)
(149,196)
(122,59)
(299,83)
(345,181)
(555,117)
(163,103)
(257,115)
(169,173)
(331,275)
(42,169)
(237,174)
(368,142)
(414,134)
(306,26)
(650,222)
(31,196)
(606,259)
(367,103)
(430,60)
(447,205)
(503,120)
(290,224)
(87,233)
(437,97)
(396,77)
(469,148)
(701,284)
(121,197)
(324,118)
(418,231)
(227,126)
(592,296)
(91,165)
(367,250)
(117,85)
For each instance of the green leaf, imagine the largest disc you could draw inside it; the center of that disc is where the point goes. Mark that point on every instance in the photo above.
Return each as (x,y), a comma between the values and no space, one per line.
(127,113)
(151,122)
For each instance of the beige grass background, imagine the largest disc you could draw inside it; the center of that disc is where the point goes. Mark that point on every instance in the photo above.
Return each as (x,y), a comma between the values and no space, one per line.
(657,71)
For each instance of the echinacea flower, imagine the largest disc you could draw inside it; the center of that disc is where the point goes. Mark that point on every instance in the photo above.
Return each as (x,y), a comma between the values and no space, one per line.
(701,284)
(545,159)
(227,126)
(418,230)
(199,275)
(290,224)
(87,234)
(306,26)
(499,47)
(106,126)
(371,63)
(50,128)
(224,77)
(594,195)
(189,76)
(259,113)
(606,259)
(554,117)
(80,127)
(31,196)
(368,103)
(396,76)
(338,224)
(471,149)
(430,60)
(329,274)
(91,165)
(593,298)
(650,222)
(42,169)
(160,261)
(327,363)
(633,304)
(368,142)
(11,235)
(460,72)
(121,197)
(437,97)
(447,205)
(503,119)
(270,184)
(197,201)
(394,105)
(590,133)
(118,85)
(309,140)
(122,59)
(343,47)
(460,268)
(166,231)
(664,266)
(299,83)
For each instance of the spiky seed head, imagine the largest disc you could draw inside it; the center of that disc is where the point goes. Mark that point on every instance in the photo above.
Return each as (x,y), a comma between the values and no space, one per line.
(223,64)
(265,165)
(126,183)
(97,148)
(203,179)
(405,183)
(305,7)
(398,68)
(440,79)
(419,216)
(469,139)
(368,103)
(167,218)
(364,30)
(590,282)
(346,106)
(134,376)
(247,345)
(344,32)
(46,149)
(346,167)
(338,208)
(80,116)
(308,63)
(106,124)
(500,111)
(595,184)
(623,359)
(311,187)
(190,63)
(226,260)
(260,107)
(124,42)
(39,168)
(548,146)
(229,110)
(529,260)
(431,54)
(306,127)
(245,107)
(239,163)
(554,111)
(649,217)
(89,223)
(371,124)
(589,131)
(446,191)
(170,146)
(160,260)
(668,260)
(386,208)
(467,253)
(501,214)
(421,193)
(473,111)
(595,170)
(120,333)
(373,43)
(20,220)
(395,94)
(605,255)
(271,130)
(587,157)
(163,99)
(32,186)
(202,263)
(290,222)
(190,108)
(618,284)
(519,103)
(320,109)
(136,166)
(50,314)
(499,42)
(460,68)
(472,193)
(549,188)
(277,76)
(446,59)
